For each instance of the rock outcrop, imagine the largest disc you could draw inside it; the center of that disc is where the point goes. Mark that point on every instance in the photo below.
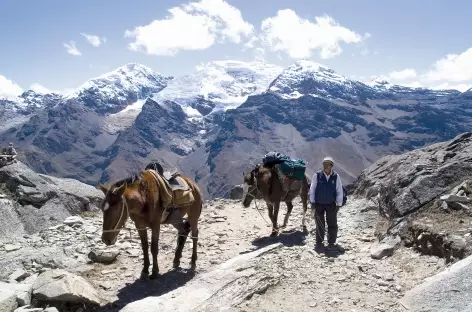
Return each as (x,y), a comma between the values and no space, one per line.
(423,196)
(61,286)
(447,291)
(22,292)
(226,286)
(236,192)
(32,202)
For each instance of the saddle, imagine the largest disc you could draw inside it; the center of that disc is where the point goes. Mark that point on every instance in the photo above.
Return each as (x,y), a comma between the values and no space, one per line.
(174,192)
(175,182)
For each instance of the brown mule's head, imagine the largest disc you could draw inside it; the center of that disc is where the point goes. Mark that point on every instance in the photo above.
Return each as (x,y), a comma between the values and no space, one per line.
(250,187)
(115,212)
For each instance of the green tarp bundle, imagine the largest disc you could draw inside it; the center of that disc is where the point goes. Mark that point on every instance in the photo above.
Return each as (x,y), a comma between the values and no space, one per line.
(293,168)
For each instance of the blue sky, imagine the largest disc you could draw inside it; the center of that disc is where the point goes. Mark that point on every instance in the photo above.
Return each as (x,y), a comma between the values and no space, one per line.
(418,43)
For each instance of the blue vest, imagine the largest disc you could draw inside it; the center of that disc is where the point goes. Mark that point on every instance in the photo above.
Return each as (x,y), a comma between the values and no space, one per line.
(325,192)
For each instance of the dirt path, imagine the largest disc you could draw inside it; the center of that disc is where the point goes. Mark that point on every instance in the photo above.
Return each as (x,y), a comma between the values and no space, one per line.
(352,281)
(308,281)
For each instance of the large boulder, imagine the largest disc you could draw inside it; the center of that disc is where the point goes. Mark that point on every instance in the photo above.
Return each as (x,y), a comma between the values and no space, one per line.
(447,291)
(52,257)
(424,197)
(21,291)
(417,178)
(7,301)
(10,222)
(62,286)
(35,201)
(236,192)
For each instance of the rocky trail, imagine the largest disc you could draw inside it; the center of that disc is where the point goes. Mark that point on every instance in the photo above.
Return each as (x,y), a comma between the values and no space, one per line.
(301,279)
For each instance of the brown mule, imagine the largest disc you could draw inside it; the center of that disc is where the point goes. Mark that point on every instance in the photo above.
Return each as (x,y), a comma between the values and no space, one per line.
(138,198)
(265,181)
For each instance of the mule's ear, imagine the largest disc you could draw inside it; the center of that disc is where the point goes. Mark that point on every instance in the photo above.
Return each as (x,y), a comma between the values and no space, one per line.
(119,190)
(104,188)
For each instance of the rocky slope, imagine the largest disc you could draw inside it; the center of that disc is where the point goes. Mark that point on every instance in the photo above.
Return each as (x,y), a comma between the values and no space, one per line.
(219,121)
(425,196)
(30,202)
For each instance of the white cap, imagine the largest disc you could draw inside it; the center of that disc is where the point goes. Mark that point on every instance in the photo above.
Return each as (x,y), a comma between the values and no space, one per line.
(328,159)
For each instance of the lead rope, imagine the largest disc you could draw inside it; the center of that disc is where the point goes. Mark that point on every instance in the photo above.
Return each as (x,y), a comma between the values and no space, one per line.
(255,201)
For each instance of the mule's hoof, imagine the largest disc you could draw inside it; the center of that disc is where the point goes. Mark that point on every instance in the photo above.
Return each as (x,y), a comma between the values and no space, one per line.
(176,265)
(193,266)
(154,276)
(144,275)
(274,233)
(304,229)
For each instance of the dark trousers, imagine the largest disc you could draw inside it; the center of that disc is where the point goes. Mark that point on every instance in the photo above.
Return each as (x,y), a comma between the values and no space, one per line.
(331,220)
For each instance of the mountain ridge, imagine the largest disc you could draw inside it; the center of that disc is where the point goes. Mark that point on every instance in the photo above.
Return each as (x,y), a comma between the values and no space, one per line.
(224,118)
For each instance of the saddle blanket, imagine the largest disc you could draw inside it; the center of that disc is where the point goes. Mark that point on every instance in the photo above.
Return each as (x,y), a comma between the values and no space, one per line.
(174,192)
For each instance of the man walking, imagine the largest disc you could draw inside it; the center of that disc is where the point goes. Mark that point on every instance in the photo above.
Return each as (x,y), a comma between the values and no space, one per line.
(326,196)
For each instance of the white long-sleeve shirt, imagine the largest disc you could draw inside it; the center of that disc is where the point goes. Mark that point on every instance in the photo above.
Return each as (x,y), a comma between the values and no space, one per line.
(339,188)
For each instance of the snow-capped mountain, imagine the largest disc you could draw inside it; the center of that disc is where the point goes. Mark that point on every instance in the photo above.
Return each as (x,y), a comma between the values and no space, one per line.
(18,110)
(114,124)
(113,91)
(30,100)
(218,85)
(310,78)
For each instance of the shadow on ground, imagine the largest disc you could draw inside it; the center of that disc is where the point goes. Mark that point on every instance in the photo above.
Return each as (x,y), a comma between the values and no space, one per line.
(287,238)
(141,289)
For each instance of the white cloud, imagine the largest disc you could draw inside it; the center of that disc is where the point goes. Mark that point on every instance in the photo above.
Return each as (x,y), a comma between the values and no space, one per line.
(259,54)
(195,26)
(8,88)
(38,88)
(454,71)
(71,48)
(453,67)
(405,74)
(299,38)
(96,41)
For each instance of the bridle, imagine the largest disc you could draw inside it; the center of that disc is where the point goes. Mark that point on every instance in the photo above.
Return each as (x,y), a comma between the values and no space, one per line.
(254,197)
(124,206)
(253,189)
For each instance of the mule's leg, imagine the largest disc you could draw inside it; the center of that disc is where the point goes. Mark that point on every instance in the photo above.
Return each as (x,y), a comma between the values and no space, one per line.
(183,230)
(275,215)
(194,246)
(289,212)
(145,246)
(156,229)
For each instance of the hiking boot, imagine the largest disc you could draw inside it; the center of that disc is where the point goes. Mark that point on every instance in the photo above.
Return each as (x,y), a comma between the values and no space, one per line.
(319,247)
(332,248)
